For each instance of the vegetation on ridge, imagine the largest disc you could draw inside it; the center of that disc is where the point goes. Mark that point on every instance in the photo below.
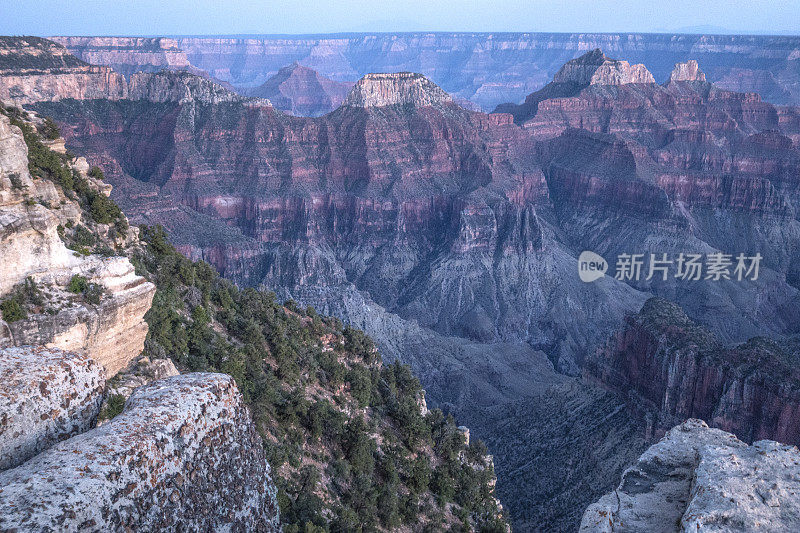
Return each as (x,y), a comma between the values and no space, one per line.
(349,444)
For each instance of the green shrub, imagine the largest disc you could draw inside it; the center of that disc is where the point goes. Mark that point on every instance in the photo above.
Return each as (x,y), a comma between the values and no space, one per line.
(49,129)
(77,284)
(12,310)
(96,173)
(83,237)
(104,210)
(116,403)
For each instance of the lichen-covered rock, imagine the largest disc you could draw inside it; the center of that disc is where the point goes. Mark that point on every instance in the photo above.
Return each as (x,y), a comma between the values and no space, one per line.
(46,395)
(703,479)
(183,454)
(400,88)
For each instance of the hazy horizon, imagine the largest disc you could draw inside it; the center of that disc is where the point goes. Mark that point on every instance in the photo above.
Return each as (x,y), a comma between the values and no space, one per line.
(242,18)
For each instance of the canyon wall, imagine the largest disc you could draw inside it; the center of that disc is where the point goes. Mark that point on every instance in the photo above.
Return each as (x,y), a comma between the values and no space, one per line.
(34,69)
(484,68)
(673,370)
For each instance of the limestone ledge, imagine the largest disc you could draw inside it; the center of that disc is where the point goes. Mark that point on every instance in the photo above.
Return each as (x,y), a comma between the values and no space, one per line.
(183,454)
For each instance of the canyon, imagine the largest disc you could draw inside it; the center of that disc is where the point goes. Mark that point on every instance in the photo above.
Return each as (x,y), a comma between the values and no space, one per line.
(451,236)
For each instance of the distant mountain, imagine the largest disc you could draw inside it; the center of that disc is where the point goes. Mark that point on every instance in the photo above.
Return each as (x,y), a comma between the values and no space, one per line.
(301,91)
(484,68)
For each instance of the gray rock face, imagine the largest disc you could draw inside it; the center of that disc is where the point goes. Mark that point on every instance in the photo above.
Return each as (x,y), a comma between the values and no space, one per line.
(183,454)
(46,395)
(401,88)
(702,479)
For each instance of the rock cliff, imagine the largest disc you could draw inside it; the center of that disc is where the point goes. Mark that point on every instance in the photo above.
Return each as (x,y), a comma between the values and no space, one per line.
(34,69)
(688,71)
(702,479)
(47,396)
(673,370)
(183,454)
(128,55)
(32,217)
(594,68)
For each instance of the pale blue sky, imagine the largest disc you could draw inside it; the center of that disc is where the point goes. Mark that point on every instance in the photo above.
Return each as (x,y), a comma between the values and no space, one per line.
(160,17)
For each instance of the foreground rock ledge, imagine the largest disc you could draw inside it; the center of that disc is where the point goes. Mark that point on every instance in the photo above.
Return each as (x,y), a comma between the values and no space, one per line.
(46,395)
(702,479)
(183,454)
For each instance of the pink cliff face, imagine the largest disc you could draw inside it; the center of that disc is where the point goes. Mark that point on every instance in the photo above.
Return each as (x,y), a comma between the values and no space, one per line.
(677,370)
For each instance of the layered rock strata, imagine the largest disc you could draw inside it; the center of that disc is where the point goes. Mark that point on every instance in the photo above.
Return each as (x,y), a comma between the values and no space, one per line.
(183,454)
(674,369)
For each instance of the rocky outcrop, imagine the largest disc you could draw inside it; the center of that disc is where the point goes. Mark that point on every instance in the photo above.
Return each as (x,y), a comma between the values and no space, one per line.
(702,479)
(34,69)
(47,395)
(181,87)
(112,330)
(687,71)
(128,55)
(183,454)
(492,68)
(401,88)
(594,68)
(301,91)
(673,369)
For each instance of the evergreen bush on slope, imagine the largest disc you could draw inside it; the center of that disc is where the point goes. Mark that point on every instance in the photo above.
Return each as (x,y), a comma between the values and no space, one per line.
(344,433)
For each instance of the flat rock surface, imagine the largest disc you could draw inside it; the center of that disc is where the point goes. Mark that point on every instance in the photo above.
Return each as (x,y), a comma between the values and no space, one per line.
(184,453)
